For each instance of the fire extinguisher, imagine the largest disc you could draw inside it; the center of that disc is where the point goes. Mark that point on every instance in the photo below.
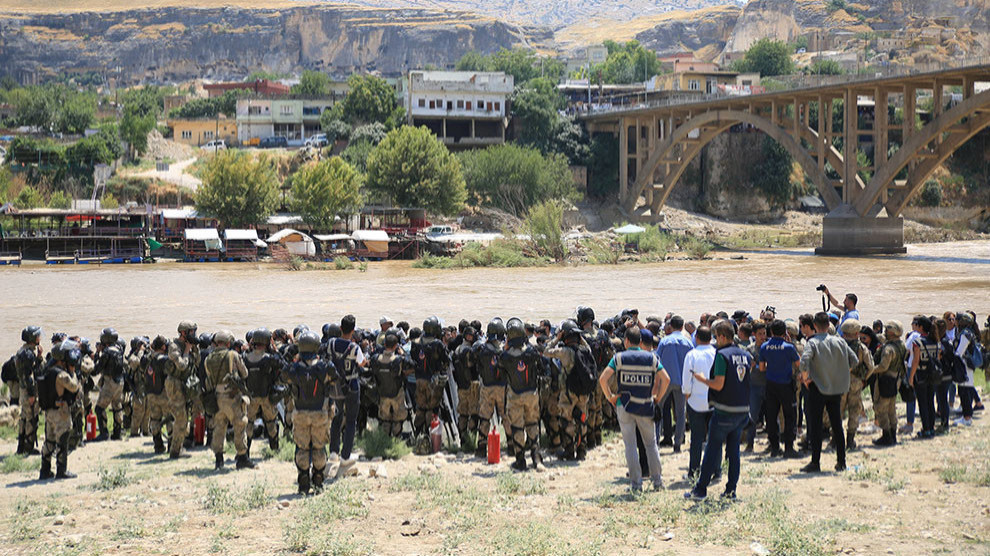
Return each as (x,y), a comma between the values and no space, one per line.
(90,426)
(436,434)
(199,430)
(494,445)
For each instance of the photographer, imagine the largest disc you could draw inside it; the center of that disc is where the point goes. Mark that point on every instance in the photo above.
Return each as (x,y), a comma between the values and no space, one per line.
(848,304)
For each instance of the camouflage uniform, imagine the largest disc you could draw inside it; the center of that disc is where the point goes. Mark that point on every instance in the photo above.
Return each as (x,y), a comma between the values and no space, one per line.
(136,365)
(28,363)
(572,409)
(891,367)
(179,368)
(852,400)
(58,424)
(225,373)
(111,364)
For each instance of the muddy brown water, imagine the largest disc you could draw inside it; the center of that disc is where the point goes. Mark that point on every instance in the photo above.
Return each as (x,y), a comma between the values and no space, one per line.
(152,299)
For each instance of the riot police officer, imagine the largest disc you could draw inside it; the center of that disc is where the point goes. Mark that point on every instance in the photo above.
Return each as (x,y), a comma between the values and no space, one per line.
(28,362)
(432,363)
(58,387)
(110,364)
(388,370)
(183,358)
(309,380)
(263,369)
(468,387)
(523,367)
(491,398)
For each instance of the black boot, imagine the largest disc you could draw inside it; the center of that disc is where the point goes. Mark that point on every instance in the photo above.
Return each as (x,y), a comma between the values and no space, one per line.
(244,462)
(101,421)
(117,428)
(46,470)
(303,480)
(20,445)
(273,443)
(520,463)
(893,436)
(884,439)
(219,462)
(538,460)
(159,444)
(318,480)
(62,473)
(482,449)
(851,442)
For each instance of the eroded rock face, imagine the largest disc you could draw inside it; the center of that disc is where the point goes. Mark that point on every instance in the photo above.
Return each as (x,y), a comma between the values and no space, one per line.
(172,44)
(696,30)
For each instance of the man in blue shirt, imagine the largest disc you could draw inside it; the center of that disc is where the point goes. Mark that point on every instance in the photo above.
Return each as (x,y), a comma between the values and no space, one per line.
(848,304)
(779,359)
(672,350)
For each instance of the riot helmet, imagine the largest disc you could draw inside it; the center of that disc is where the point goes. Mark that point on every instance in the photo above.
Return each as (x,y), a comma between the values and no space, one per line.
(432,327)
(308,342)
(496,328)
(108,337)
(31,334)
(515,329)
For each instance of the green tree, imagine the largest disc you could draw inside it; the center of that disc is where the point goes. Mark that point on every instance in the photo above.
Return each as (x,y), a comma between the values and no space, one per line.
(324,190)
(603,165)
(536,105)
(545,226)
(208,107)
(627,63)
(522,64)
(238,189)
(59,200)
(412,168)
(372,133)
(772,176)
(768,58)
(29,198)
(370,99)
(334,128)
(514,178)
(109,202)
(261,75)
(356,154)
(823,66)
(76,114)
(142,107)
(312,84)
(570,140)
(473,61)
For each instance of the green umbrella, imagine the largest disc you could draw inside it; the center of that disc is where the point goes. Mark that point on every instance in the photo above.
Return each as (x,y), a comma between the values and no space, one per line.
(153,244)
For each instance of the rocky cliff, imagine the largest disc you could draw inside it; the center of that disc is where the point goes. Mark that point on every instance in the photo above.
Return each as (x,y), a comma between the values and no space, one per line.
(173,44)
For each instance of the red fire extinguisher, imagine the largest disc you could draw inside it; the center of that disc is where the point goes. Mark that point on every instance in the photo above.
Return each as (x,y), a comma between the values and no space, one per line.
(494,445)
(90,426)
(199,430)
(436,434)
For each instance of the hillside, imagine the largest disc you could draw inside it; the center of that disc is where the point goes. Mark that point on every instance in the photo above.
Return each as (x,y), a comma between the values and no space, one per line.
(671,31)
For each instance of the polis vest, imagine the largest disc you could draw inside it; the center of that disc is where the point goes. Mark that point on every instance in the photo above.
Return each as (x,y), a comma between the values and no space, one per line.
(734,395)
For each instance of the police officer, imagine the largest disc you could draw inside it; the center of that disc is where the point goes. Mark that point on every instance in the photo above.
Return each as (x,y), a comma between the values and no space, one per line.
(110,364)
(83,405)
(28,362)
(137,362)
(522,364)
(225,375)
(853,399)
(309,380)
(468,387)
(889,372)
(388,370)
(603,349)
(432,362)
(348,359)
(263,373)
(155,397)
(572,406)
(491,396)
(62,381)
(183,357)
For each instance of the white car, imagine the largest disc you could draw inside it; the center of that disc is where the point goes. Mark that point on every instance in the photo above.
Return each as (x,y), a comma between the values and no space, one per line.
(319,140)
(216,145)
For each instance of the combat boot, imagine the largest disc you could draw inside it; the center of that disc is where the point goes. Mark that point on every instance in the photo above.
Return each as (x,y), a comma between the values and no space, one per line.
(20,445)
(159,445)
(318,480)
(244,462)
(303,480)
(850,442)
(46,470)
(538,461)
(101,420)
(893,436)
(62,473)
(482,450)
(219,463)
(273,443)
(115,435)
(520,463)
(581,453)
(884,439)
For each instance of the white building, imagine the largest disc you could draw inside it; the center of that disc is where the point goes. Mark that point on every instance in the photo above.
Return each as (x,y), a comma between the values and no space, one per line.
(463,108)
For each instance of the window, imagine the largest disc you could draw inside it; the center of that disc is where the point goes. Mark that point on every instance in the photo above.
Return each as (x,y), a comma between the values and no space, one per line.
(481,106)
(440,103)
(450,105)
(460,104)
(187,134)
(468,106)
(254,110)
(433,104)
(208,134)
(498,106)
(286,110)
(422,103)
(694,85)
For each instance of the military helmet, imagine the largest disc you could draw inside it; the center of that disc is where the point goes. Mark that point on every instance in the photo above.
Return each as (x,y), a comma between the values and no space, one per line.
(187,326)
(84,347)
(159,342)
(137,341)
(57,353)
(515,329)
(964,319)
(308,342)
(224,337)
(280,335)
(205,340)
(72,355)
(299,330)
(496,328)
(247,336)
(325,329)
(108,337)
(469,331)
(570,328)
(31,334)
(334,331)
(585,315)
(261,336)
(432,327)
(58,338)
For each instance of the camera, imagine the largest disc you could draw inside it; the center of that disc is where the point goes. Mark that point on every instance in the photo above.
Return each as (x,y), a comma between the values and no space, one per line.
(821,288)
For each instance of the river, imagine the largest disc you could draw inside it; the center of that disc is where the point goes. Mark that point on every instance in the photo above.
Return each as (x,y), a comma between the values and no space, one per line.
(151,299)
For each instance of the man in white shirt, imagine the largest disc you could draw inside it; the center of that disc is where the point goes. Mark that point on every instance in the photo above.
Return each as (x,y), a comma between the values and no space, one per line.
(698,360)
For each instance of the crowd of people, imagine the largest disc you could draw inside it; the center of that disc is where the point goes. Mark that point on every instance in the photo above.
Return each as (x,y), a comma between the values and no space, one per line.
(723,379)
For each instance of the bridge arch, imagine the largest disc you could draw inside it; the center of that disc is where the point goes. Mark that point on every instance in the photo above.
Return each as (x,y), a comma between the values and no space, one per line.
(710,125)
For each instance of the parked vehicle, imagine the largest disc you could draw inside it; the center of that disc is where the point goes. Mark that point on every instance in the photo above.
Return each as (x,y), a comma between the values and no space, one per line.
(216,145)
(319,140)
(273,143)
(434,231)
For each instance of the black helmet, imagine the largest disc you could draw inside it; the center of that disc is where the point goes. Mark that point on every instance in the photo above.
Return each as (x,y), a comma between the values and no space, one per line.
(469,331)
(585,315)
(334,331)
(308,342)
(57,353)
(31,334)
(261,336)
(570,328)
(84,347)
(72,355)
(159,342)
(187,326)
(496,328)
(299,330)
(432,327)
(414,333)
(58,338)
(205,339)
(326,330)
(515,329)
(108,337)
(137,342)
(247,336)
(280,335)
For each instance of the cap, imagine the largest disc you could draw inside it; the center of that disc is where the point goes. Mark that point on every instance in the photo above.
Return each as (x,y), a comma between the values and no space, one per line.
(647,335)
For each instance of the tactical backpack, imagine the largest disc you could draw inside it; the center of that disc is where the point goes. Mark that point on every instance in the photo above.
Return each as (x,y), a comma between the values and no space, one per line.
(583,377)
(9,372)
(47,394)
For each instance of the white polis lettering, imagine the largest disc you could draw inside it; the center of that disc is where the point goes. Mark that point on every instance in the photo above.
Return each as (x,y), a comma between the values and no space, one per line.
(632,378)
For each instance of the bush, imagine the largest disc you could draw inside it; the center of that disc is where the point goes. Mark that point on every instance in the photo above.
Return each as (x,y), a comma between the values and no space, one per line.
(342,263)
(931,194)
(110,478)
(545,224)
(379,444)
(602,251)
(697,248)
(652,241)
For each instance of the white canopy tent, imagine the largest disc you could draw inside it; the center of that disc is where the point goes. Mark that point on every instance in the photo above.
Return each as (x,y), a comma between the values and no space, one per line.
(209,236)
(296,242)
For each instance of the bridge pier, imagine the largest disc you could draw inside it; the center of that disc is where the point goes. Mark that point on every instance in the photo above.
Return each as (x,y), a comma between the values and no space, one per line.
(846,233)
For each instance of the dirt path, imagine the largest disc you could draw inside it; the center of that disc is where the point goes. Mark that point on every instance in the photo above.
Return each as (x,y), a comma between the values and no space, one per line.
(175,174)
(917,498)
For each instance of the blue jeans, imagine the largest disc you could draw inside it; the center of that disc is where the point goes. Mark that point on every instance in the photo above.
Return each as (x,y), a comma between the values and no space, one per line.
(909,414)
(757,394)
(724,428)
(698,422)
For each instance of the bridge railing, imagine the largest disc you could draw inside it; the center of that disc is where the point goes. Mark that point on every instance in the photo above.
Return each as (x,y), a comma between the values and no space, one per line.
(784,83)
